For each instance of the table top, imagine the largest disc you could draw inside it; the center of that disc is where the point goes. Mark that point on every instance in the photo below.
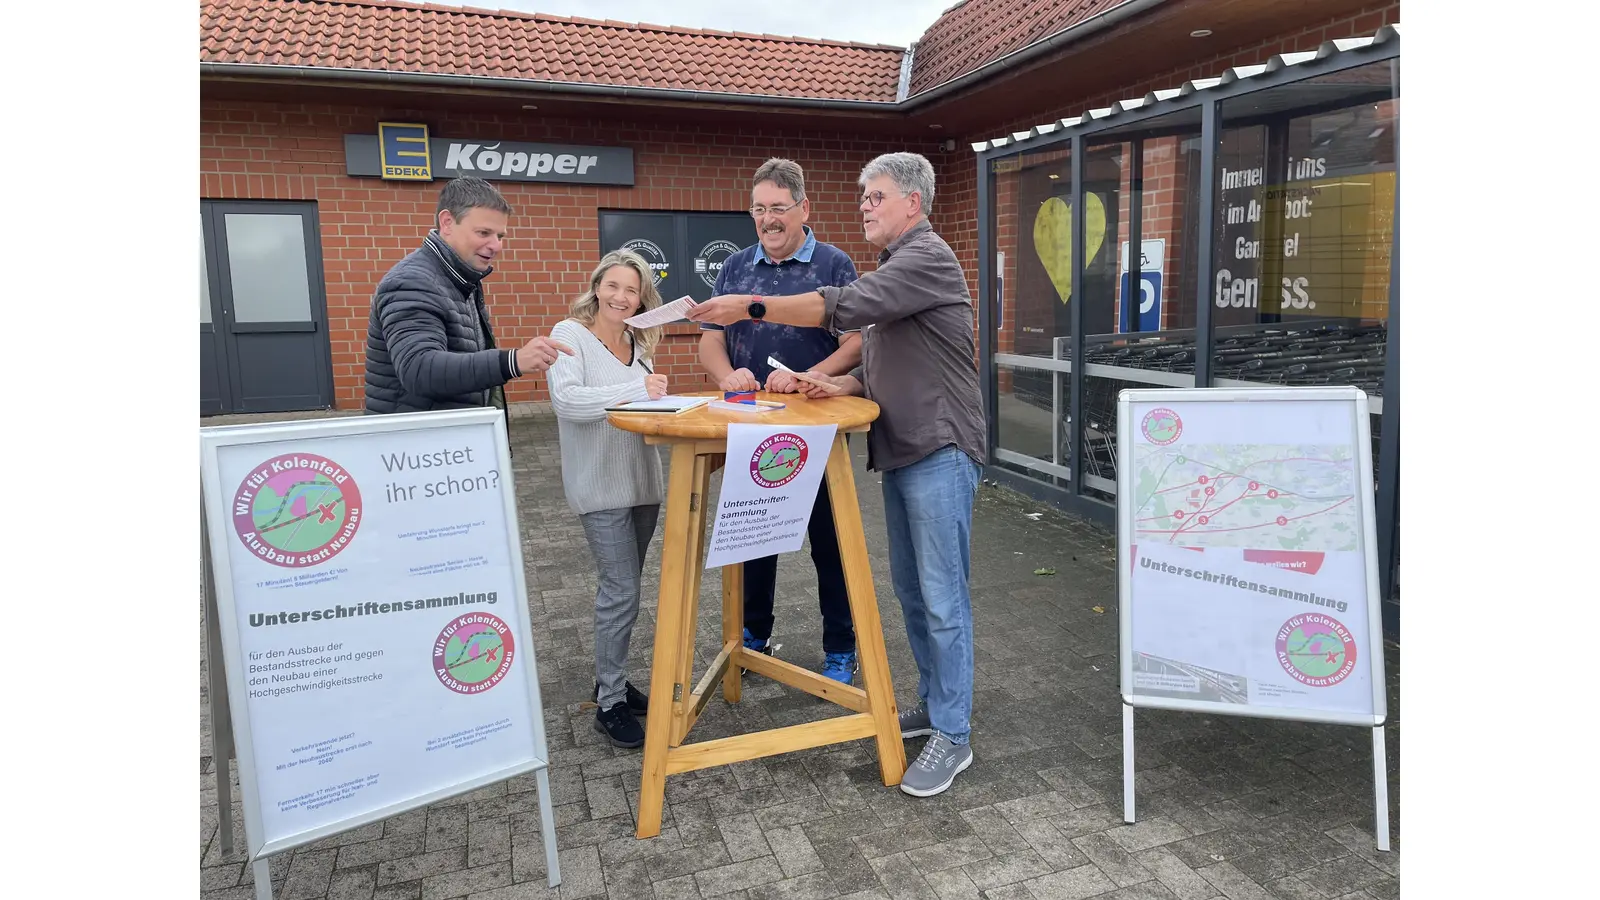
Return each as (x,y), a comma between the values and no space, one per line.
(849,413)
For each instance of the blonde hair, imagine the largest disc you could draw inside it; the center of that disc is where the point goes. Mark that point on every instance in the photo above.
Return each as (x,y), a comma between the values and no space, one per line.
(587,305)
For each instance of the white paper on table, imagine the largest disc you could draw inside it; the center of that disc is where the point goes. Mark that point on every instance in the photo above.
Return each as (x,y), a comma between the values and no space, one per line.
(661,315)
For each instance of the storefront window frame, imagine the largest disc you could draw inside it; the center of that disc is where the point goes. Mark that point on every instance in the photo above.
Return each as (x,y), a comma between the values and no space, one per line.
(1140,120)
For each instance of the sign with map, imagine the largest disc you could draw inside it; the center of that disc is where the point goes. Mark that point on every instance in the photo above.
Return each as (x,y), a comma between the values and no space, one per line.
(769,484)
(1248,581)
(373,616)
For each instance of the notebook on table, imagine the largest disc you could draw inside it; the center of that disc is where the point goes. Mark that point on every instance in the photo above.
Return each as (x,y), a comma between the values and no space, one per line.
(668,405)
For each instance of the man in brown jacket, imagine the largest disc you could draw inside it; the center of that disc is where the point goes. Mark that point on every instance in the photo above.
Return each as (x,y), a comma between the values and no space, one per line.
(918,364)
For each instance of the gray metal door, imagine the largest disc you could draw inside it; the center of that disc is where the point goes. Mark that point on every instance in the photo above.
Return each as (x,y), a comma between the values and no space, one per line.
(263,316)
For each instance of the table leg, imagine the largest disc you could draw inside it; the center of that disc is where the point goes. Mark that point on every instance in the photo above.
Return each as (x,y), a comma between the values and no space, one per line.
(870,648)
(694,552)
(670,609)
(732,627)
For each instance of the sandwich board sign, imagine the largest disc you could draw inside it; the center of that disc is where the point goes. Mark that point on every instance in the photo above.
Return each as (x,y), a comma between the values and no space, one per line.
(1247,561)
(369,600)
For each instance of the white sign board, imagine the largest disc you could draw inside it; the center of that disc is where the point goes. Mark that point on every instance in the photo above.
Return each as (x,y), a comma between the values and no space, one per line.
(1246,535)
(769,484)
(1152,255)
(373,615)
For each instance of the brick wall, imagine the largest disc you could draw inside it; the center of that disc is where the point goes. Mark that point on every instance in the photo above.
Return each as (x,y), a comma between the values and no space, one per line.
(296,152)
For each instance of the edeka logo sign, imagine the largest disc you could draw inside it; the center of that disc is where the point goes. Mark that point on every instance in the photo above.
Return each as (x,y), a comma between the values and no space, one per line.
(403,152)
(382,156)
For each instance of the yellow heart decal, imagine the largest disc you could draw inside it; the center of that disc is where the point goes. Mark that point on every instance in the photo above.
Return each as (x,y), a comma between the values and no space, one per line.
(1052,238)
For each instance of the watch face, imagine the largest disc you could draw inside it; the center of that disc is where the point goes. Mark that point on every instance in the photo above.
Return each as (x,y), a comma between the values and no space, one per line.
(757,309)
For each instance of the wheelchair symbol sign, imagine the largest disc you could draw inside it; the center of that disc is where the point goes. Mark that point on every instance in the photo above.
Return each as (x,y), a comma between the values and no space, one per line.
(1146,315)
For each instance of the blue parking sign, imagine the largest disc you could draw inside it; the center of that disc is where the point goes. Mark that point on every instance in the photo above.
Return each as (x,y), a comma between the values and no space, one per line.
(1146,315)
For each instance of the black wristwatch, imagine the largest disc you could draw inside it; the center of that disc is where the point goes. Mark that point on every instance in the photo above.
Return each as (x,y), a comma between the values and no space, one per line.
(757,309)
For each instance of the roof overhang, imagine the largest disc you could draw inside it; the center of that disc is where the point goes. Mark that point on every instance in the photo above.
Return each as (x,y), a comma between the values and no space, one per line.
(1163,106)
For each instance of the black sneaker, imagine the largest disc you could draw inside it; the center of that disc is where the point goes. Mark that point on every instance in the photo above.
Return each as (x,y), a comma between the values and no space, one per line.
(638,703)
(619,726)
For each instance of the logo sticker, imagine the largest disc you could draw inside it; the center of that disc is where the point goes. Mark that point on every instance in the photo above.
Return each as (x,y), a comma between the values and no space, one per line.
(1161,426)
(652,254)
(297,510)
(778,459)
(473,653)
(708,262)
(1316,650)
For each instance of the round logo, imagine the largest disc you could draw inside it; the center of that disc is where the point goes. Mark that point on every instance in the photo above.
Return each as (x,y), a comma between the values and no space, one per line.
(652,254)
(297,510)
(1161,426)
(473,653)
(1316,650)
(708,262)
(777,460)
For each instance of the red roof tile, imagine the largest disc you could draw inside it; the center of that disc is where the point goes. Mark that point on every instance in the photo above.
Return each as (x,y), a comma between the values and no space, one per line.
(976,32)
(429,38)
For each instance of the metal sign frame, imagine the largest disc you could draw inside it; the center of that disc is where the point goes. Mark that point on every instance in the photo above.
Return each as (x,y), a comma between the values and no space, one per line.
(221,603)
(1368,547)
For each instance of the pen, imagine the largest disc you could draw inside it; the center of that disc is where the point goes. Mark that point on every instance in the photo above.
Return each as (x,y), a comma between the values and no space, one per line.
(643,365)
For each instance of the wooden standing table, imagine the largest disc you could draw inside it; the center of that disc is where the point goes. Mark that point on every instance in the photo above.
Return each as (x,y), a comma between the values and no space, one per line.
(698,442)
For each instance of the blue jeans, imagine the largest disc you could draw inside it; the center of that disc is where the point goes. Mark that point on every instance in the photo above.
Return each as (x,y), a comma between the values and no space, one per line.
(927,507)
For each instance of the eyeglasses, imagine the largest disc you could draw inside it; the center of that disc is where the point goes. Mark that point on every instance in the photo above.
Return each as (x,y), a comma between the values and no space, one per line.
(874,199)
(758,210)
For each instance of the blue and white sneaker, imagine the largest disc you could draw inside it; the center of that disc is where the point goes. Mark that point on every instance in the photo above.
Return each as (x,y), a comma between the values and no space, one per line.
(841,667)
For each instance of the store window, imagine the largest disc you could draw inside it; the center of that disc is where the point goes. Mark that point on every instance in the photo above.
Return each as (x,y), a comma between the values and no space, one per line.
(684,249)
(1304,229)
(1139,304)
(1033,279)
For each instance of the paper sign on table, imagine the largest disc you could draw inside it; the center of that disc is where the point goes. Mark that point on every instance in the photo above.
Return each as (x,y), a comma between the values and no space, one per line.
(769,484)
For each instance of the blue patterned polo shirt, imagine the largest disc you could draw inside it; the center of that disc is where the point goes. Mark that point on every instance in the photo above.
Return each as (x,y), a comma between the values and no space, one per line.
(749,271)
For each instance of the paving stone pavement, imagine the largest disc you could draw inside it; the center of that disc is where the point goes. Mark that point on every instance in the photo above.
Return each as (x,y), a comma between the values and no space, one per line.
(1227,807)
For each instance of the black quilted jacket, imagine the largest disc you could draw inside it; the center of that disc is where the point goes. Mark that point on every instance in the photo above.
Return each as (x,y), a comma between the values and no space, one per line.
(423,347)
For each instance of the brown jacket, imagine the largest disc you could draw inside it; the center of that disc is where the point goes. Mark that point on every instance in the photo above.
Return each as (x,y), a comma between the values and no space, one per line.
(917,350)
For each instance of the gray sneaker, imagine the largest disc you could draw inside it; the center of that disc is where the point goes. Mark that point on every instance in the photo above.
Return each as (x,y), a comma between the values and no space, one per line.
(938,765)
(915,722)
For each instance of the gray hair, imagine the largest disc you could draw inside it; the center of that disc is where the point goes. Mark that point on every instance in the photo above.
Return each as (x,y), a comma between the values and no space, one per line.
(785,173)
(466,193)
(910,172)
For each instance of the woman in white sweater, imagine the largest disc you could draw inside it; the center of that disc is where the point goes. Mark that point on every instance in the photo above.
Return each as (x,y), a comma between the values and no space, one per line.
(612,478)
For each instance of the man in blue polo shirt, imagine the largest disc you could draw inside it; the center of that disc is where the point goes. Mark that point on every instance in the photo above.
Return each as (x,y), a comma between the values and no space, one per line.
(788,259)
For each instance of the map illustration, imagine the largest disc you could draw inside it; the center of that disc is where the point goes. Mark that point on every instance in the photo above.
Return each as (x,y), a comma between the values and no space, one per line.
(298,510)
(1260,496)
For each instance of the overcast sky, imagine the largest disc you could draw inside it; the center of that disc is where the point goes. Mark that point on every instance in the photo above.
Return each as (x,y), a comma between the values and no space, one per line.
(898,23)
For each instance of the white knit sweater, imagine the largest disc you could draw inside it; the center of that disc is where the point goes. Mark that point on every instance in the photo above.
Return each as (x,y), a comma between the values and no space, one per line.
(602,467)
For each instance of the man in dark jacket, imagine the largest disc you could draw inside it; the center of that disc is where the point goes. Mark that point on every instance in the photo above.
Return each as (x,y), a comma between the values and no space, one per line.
(429,344)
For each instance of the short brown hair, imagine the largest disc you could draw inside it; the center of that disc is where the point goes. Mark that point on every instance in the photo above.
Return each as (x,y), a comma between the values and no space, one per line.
(785,173)
(466,193)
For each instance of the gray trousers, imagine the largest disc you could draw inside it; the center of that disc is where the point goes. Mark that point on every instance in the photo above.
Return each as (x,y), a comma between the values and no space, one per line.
(619,540)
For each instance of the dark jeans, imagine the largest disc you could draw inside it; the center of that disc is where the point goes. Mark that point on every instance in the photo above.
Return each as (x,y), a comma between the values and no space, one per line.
(761,579)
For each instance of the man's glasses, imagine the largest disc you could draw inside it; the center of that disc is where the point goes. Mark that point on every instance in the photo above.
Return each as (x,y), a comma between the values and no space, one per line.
(758,210)
(873,200)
